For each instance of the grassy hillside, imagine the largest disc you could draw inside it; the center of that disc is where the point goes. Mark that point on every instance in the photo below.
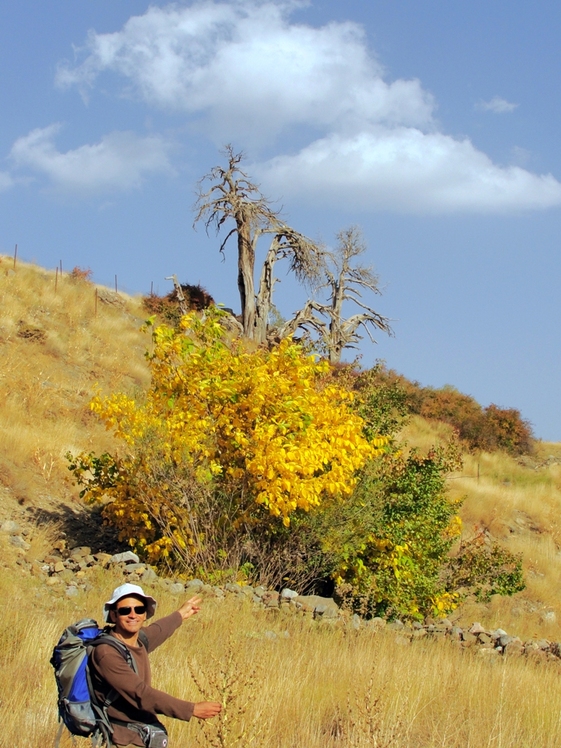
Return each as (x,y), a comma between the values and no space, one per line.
(57,345)
(285,680)
(55,349)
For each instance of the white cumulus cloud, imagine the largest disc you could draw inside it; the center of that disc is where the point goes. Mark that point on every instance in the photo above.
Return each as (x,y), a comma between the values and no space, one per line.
(247,72)
(496,105)
(119,161)
(405,170)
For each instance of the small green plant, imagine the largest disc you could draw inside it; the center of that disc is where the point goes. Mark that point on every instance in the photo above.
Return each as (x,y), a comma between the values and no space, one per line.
(482,568)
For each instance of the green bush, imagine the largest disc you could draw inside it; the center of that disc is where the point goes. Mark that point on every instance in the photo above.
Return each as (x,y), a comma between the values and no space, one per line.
(388,546)
(483,569)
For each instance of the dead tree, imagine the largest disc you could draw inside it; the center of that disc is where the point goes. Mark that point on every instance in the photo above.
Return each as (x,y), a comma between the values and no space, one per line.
(344,281)
(232,197)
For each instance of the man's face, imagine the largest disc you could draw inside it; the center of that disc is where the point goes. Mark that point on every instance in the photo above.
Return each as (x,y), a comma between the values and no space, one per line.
(128,621)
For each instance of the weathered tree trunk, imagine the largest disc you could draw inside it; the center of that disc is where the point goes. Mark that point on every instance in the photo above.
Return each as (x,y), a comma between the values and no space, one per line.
(246,266)
(265,294)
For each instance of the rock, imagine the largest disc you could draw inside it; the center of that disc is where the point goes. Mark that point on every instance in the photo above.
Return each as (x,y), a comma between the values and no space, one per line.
(271,599)
(485,639)
(537,655)
(127,557)
(287,594)
(549,617)
(177,588)
(80,551)
(476,629)
(233,587)
(149,575)
(271,635)
(309,603)
(396,625)
(514,648)
(9,526)
(497,633)
(109,297)
(104,559)
(19,542)
(193,586)
(260,591)
(377,623)
(326,610)
(71,591)
(52,559)
(419,633)
(134,568)
(356,622)
(456,633)
(58,567)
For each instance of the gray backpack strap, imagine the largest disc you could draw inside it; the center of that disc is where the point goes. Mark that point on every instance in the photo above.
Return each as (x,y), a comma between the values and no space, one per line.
(143,638)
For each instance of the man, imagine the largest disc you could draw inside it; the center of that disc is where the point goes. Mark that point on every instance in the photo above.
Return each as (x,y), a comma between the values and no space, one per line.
(133,712)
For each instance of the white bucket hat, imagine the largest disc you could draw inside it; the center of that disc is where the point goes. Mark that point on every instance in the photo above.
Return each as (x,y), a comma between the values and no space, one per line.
(126,590)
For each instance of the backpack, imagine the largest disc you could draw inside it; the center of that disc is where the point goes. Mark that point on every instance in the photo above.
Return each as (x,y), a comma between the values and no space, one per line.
(78,707)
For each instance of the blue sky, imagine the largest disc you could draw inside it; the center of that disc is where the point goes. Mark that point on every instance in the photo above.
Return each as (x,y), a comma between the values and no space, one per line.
(434,126)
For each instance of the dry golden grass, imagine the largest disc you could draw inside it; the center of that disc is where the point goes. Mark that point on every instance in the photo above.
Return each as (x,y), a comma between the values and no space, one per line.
(54,350)
(287,681)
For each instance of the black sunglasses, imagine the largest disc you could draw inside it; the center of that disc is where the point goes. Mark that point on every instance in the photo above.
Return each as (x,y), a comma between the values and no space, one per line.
(125,611)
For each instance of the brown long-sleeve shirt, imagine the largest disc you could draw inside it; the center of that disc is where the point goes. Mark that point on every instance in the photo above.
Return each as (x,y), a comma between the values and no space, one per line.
(137,700)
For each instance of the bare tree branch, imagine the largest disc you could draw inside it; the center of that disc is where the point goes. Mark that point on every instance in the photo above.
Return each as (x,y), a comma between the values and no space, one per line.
(341,281)
(232,196)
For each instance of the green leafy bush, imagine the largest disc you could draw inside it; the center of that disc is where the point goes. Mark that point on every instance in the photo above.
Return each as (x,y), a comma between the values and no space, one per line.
(483,569)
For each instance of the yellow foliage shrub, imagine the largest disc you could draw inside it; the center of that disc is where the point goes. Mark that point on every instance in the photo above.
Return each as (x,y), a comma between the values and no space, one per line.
(265,427)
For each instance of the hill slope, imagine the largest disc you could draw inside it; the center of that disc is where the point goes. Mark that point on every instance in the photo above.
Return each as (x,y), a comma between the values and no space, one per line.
(58,345)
